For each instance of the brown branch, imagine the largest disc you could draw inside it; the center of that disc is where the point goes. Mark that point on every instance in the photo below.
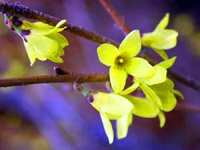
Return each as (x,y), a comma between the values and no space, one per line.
(23,11)
(185,80)
(80,78)
(120,21)
(188,107)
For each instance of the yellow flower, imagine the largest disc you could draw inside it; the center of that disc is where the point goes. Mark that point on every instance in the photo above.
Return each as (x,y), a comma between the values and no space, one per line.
(161,38)
(159,76)
(163,95)
(43,41)
(143,107)
(122,61)
(113,107)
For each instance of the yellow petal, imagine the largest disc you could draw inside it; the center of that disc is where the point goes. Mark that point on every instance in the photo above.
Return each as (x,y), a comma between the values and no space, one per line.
(150,94)
(46,47)
(168,101)
(111,103)
(166,86)
(117,78)
(129,89)
(107,54)
(178,93)
(159,77)
(139,67)
(57,27)
(107,127)
(56,59)
(131,45)
(41,28)
(167,63)
(60,38)
(143,107)
(122,126)
(164,39)
(162,119)
(164,22)
(37,27)
(117,105)
(32,54)
(160,39)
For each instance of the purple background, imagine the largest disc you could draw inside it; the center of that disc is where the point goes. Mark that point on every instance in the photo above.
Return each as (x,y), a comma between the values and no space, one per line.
(54,116)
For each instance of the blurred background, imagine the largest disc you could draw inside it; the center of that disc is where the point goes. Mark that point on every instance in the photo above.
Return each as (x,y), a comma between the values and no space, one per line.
(55,117)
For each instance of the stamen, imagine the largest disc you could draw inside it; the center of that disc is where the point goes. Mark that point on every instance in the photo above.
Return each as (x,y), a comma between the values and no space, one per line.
(121,60)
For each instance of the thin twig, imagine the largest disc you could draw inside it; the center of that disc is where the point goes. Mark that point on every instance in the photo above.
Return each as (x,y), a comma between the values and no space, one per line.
(120,21)
(185,80)
(187,107)
(80,78)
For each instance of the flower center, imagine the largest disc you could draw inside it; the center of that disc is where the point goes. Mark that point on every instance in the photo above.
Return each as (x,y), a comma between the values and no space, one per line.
(120,61)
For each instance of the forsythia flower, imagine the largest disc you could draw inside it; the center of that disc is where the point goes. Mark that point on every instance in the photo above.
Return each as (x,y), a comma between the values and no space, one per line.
(159,76)
(143,107)
(43,41)
(167,94)
(164,93)
(161,38)
(113,107)
(122,61)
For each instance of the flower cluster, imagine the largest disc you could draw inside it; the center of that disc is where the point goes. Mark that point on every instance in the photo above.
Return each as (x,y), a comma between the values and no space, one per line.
(42,41)
(158,90)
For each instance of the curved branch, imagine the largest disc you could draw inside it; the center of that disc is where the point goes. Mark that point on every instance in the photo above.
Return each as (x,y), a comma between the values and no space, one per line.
(188,107)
